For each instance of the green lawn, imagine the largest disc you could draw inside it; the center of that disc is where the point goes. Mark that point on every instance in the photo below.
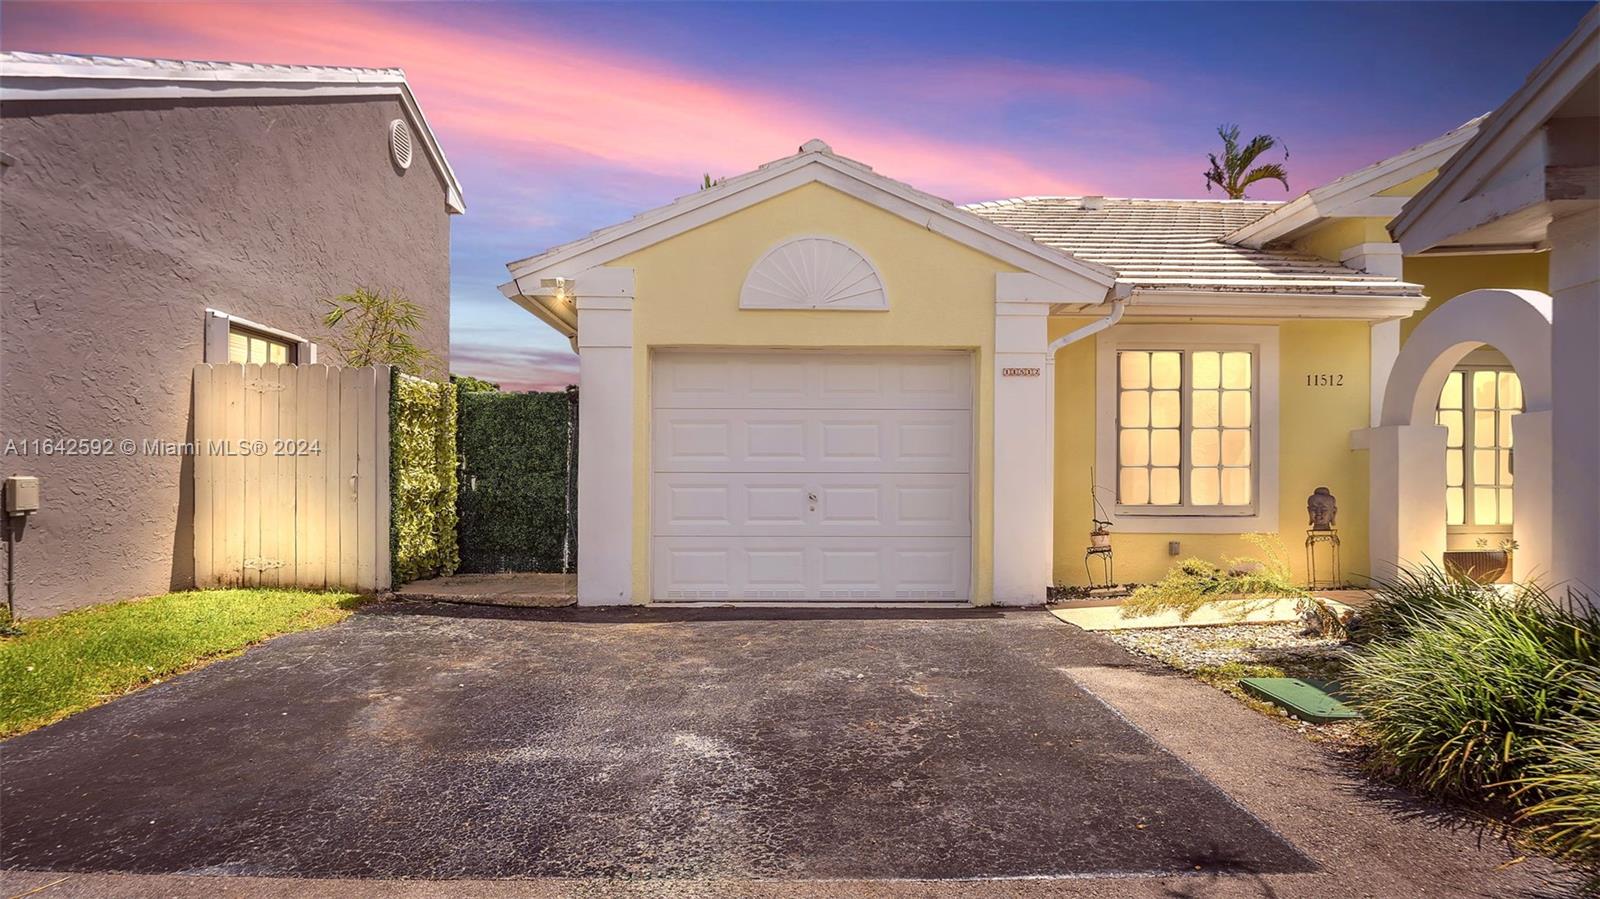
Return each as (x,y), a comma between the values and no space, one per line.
(71,662)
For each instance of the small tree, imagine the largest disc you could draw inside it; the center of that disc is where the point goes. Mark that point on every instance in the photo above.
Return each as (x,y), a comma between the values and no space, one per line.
(469,384)
(377,328)
(1233,174)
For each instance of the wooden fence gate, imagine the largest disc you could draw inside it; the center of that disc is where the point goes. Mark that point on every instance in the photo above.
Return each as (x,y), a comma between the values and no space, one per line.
(291,476)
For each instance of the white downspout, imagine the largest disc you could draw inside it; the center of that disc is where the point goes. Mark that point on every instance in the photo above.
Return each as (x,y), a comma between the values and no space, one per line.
(1119,305)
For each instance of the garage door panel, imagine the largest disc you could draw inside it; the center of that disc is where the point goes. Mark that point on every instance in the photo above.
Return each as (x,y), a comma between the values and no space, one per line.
(824,569)
(792,475)
(776,379)
(868,505)
(812,440)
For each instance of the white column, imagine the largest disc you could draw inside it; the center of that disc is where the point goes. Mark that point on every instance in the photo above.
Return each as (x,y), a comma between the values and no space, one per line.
(1533,515)
(1406,462)
(1575,377)
(604,299)
(1379,259)
(1384,341)
(1023,455)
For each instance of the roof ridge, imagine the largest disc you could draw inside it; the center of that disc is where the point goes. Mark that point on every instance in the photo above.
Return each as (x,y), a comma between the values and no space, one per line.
(166,62)
(1015,201)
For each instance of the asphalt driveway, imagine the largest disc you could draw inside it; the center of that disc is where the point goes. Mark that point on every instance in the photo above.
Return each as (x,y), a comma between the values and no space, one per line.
(432,741)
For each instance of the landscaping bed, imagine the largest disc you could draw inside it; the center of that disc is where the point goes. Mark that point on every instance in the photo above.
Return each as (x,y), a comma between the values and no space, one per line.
(1222,655)
(65,664)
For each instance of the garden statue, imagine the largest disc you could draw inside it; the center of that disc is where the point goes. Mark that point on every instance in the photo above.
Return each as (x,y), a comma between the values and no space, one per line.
(1322,508)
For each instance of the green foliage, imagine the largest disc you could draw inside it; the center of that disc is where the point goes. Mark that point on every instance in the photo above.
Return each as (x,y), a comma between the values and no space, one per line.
(1461,698)
(71,662)
(422,471)
(1233,173)
(370,327)
(516,449)
(1413,598)
(1194,583)
(1560,785)
(469,384)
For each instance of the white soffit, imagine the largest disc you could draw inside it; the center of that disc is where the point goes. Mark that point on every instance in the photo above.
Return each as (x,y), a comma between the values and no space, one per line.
(69,76)
(1356,195)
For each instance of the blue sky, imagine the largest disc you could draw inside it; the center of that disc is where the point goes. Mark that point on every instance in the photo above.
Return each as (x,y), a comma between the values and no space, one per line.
(562,118)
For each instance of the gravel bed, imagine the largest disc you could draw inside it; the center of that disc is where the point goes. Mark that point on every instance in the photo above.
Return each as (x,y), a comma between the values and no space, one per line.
(1222,655)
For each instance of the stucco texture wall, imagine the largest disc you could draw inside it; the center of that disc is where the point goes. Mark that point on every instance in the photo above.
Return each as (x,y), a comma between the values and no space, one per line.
(1314,451)
(121,222)
(941,296)
(1445,277)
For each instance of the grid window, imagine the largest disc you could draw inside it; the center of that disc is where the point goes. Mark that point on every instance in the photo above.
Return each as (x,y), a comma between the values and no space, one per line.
(1476,409)
(1185,441)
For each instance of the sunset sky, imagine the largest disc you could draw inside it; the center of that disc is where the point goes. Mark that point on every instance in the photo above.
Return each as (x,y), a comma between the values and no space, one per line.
(563,118)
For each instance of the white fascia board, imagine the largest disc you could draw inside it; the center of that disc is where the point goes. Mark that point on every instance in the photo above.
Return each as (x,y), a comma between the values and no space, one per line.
(1432,216)
(26,78)
(846,176)
(1204,304)
(1355,195)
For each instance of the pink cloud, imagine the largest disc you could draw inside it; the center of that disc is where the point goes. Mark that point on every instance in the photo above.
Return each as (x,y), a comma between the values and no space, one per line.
(511,92)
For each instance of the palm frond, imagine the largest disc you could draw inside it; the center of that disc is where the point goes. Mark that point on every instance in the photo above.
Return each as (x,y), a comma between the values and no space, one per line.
(1271,171)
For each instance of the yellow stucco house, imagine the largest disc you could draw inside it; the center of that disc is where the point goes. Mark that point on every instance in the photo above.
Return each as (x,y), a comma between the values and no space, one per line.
(812,382)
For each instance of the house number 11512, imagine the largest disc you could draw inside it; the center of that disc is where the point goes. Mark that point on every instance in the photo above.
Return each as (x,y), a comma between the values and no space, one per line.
(1325,379)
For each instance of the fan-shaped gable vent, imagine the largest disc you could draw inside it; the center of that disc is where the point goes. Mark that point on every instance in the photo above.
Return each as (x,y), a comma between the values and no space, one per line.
(813,273)
(400,143)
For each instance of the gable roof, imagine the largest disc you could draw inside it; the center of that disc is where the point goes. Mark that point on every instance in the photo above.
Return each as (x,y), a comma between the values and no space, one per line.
(814,163)
(1171,247)
(1357,194)
(1467,195)
(69,76)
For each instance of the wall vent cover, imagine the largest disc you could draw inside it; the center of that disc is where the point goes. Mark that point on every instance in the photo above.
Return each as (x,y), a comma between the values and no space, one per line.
(400,143)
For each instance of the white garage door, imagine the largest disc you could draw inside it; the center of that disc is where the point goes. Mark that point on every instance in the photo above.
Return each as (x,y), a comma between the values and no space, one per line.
(793,475)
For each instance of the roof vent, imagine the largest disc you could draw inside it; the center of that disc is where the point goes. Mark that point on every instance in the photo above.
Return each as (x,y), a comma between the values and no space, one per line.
(400,143)
(1094,202)
(815,146)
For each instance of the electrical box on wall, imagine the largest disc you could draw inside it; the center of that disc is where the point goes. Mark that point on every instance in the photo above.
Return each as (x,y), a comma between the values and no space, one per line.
(21,494)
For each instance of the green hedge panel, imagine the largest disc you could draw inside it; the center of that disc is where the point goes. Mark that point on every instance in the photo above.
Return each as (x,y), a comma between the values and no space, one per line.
(422,471)
(515,487)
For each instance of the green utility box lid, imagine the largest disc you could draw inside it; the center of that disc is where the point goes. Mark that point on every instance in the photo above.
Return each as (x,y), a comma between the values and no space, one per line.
(1307,700)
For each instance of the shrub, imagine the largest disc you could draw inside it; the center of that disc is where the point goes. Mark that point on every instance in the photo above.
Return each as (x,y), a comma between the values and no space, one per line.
(1414,596)
(517,468)
(1195,583)
(1462,688)
(422,471)
(1560,786)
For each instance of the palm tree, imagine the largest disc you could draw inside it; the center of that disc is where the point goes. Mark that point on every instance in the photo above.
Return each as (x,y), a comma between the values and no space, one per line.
(1233,173)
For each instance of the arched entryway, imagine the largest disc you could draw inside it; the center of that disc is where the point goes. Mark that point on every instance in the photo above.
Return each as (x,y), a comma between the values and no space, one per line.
(1409,452)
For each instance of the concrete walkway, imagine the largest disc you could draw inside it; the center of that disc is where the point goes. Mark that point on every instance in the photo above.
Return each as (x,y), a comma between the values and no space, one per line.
(517,589)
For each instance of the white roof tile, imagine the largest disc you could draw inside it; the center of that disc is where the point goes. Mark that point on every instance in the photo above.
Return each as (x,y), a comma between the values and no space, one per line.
(1176,245)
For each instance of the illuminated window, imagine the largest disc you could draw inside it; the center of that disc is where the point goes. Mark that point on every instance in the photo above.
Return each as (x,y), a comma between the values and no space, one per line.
(1186,430)
(255,348)
(1476,408)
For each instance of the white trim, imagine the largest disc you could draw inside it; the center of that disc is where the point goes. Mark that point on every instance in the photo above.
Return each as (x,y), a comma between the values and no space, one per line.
(817,164)
(1355,195)
(1216,304)
(219,323)
(874,300)
(1262,341)
(65,76)
(1445,209)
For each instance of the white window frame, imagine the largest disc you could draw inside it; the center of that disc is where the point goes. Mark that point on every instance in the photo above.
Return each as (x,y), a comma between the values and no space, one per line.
(219,324)
(1261,341)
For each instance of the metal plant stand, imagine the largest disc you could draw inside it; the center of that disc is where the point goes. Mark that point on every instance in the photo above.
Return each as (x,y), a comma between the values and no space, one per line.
(1314,538)
(1106,566)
